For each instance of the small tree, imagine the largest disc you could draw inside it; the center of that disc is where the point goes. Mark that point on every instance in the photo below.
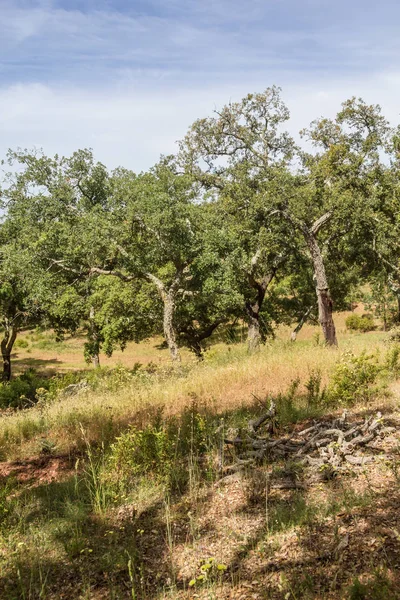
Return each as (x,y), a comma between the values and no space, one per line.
(21,298)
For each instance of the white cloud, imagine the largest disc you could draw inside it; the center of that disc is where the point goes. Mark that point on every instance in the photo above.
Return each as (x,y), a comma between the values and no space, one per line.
(129,85)
(132,127)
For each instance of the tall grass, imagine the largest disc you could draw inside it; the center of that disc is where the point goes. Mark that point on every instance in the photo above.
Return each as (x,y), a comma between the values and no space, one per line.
(228,379)
(150,442)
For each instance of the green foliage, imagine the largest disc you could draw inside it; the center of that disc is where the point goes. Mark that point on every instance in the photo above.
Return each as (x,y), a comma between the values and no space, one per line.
(394,336)
(378,586)
(21,392)
(7,502)
(353,379)
(362,323)
(21,343)
(315,391)
(162,449)
(392,361)
(50,343)
(210,571)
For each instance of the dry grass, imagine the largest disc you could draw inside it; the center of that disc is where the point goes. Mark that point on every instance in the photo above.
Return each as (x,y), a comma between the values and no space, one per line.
(147,542)
(226,380)
(68,355)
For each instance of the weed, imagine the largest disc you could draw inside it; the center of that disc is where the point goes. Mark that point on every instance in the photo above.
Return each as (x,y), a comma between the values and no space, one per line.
(131,576)
(392,361)
(286,514)
(353,378)
(47,446)
(315,391)
(362,323)
(21,392)
(100,492)
(378,586)
(21,343)
(394,335)
(163,449)
(209,571)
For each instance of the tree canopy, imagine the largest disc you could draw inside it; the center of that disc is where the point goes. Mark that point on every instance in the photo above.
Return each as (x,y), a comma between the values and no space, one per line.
(241,225)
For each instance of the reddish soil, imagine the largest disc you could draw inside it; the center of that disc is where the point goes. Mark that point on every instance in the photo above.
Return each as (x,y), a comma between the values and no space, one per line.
(38,470)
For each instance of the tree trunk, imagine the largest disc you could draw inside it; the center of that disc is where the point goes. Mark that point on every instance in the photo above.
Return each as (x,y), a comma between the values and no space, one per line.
(7,343)
(253,310)
(194,337)
(197,350)
(325,305)
(168,298)
(168,325)
(293,335)
(94,339)
(253,332)
(6,376)
(384,312)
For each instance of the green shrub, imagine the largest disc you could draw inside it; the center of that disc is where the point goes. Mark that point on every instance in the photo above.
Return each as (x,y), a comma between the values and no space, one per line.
(360,323)
(163,449)
(394,336)
(21,343)
(352,322)
(392,361)
(353,378)
(315,391)
(21,392)
(50,344)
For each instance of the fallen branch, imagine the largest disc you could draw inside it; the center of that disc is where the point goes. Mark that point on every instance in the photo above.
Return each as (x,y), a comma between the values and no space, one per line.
(325,446)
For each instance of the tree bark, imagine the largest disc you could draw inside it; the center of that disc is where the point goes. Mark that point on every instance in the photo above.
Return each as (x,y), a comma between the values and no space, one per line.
(7,343)
(325,305)
(168,298)
(94,339)
(6,376)
(194,337)
(168,325)
(253,331)
(293,335)
(253,309)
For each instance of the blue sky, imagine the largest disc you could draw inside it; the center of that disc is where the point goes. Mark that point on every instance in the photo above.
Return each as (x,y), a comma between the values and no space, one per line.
(128,77)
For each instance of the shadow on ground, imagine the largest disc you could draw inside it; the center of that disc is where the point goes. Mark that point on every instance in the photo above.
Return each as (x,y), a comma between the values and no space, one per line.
(336,540)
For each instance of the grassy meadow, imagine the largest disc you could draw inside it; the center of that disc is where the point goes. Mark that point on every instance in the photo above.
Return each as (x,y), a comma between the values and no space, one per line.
(115,490)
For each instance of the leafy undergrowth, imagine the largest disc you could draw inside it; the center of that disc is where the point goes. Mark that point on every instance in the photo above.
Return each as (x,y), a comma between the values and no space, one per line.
(132,504)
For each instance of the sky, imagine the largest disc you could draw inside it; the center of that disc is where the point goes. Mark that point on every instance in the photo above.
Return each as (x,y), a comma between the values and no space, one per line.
(128,77)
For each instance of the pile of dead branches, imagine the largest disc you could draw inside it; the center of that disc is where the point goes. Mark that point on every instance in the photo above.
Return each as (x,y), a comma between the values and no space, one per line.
(327,444)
